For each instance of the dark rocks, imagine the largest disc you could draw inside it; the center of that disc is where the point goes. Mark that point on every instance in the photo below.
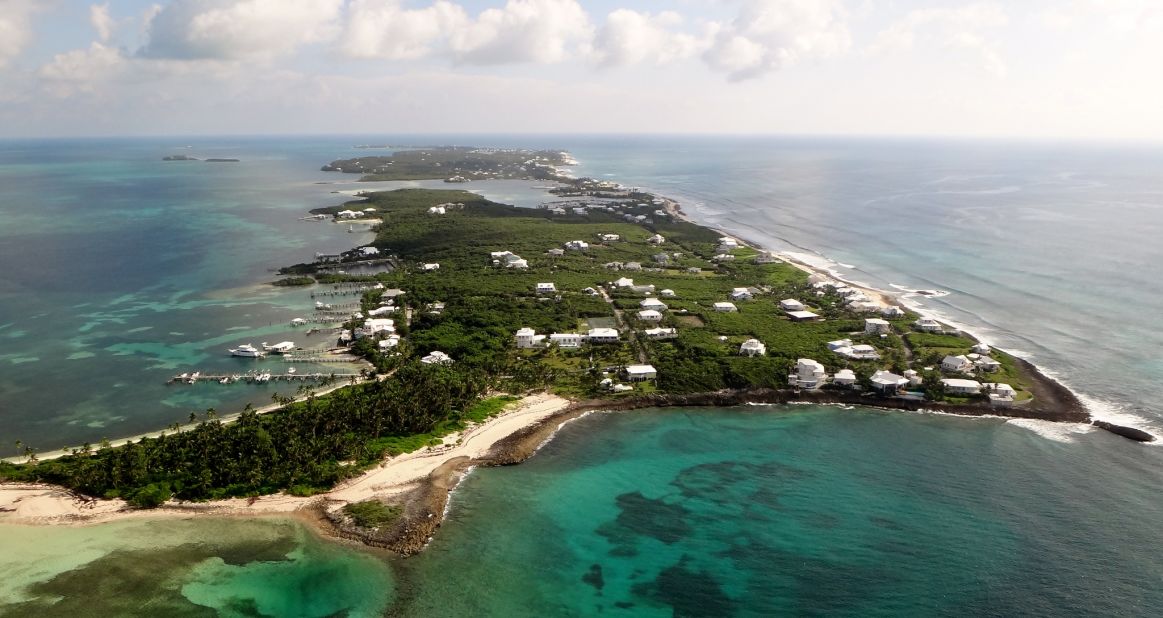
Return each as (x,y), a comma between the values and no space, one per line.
(1130,433)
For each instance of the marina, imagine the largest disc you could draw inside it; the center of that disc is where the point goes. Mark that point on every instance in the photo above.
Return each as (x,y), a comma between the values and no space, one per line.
(256,377)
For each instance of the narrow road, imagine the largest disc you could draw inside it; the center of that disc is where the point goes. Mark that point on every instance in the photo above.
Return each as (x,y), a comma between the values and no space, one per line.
(621,320)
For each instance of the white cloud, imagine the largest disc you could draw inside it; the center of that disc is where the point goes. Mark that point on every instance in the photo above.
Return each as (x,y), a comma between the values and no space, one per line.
(954,28)
(542,31)
(102,22)
(15,30)
(768,35)
(631,37)
(384,29)
(239,30)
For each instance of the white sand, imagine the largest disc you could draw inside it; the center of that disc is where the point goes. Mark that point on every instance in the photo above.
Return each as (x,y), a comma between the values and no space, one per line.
(47,504)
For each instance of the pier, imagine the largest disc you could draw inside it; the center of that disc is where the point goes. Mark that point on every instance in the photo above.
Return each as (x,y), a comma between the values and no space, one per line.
(257,378)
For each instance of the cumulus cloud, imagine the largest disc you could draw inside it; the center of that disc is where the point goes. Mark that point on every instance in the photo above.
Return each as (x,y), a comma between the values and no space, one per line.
(631,37)
(768,35)
(238,29)
(102,22)
(384,29)
(81,69)
(15,31)
(954,28)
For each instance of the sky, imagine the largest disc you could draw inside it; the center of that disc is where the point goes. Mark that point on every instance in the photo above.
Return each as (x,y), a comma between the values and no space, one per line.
(1086,69)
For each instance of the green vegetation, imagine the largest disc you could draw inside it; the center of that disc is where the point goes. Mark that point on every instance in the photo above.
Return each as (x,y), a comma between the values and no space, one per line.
(372,513)
(453,162)
(293,281)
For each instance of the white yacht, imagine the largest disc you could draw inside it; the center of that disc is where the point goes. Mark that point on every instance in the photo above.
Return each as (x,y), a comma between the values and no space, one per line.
(247,351)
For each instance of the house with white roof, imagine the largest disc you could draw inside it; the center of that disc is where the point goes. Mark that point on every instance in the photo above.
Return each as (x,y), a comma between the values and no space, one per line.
(999,394)
(546,288)
(802,316)
(752,347)
(650,315)
(808,374)
(368,251)
(378,311)
(430,267)
(982,348)
(928,325)
(791,304)
(956,364)
(437,210)
(603,335)
(609,237)
(957,386)
(986,364)
(566,340)
(915,379)
(877,326)
(660,333)
(501,255)
(577,245)
(632,266)
(518,263)
(640,373)
(845,378)
(657,239)
(888,383)
(390,341)
(528,338)
(437,358)
(666,293)
(624,282)
(375,326)
(892,311)
(652,303)
(556,252)
(725,307)
(741,294)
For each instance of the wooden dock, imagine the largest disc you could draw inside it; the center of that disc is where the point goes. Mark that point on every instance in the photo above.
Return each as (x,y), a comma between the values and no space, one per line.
(256,378)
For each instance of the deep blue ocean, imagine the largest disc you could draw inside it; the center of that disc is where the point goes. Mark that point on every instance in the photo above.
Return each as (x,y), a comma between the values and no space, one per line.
(118,270)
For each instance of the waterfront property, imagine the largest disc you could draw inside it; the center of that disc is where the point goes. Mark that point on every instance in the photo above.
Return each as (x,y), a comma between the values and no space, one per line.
(928,325)
(808,374)
(887,382)
(845,378)
(958,386)
(956,364)
(640,373)
(877,326)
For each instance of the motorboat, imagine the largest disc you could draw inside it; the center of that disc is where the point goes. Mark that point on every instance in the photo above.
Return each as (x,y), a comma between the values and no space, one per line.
(247,351)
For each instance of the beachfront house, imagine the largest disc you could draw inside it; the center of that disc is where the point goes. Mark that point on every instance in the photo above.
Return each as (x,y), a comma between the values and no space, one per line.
(982,348)
(957,386)
(808,374)
(928,325)
(765,258)
(1002,395)
(640,373)
(956,364)
(877,326)
(986,364)
(752,347)
(528,338)
(546,288)
(741,294)
(888,383)
(845,378)
(437,358)
(725,307)
(660,333)
(657,239)
(915,379)
(791,304)
(566,340)
(892,311)
(602,335)
(652,303)
(650,315)
(368,251)
(348,214)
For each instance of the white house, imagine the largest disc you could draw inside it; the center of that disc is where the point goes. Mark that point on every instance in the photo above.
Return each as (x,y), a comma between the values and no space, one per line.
(378,311)
(430,267)
(579,211)
(624,283)
(390,341)
(915,378)
(753,347)
(928,325)
(726,307)
(374,327)
(667,293)
(546,288)
(791,304)
(741,294)
(348,214)
(982,348)
(590,292)
(660,333)
(986,364)
(640,373)
(602,335)
(844,377)
(1000,394)
(368,251)
(566,340)
(723,257)
(528,338)
(518,263)
(501,255)
(437,358)
(892,311)
(862,351)
(577,245)
(556,252)
(657,239)
(650,315)
(652,303)
(887,382)
(437,210)
(632,266)
(956,364)
(609,237)
(877,326)
(957,386)
(802,316)
(809,374)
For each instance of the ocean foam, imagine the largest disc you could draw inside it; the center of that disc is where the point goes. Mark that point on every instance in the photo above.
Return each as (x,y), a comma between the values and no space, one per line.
(1058,432)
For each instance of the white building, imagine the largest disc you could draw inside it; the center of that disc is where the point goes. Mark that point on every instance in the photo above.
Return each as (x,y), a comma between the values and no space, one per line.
(956,364)
(982,348)
(430,267)
(809,374)
(566,340)
(437,210)
(915,379)
(928,325)
(667,293)
(632,266)
(378,311)
(892,311)
(1000,394)
(957,386)
(652,303)
(624,283)
(577,245)
(986,364)
(368,251)
(498,256)
(437,358)
(657,239)
(887,382)
(726,307)
(791,304)
(603,335)
(640,373)
(660,333)
(741,294)
(753,347)
(528,338)
(609,237)
(845,378)
(877,326)
(556,252)
(650,315)
(390,341)
(546,288)
(802,316)
(518,263)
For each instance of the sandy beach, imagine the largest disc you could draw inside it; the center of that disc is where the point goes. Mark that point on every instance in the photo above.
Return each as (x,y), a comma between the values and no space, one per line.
(53,505)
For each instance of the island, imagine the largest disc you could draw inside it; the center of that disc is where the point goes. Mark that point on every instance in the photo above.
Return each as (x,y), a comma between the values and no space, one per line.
(495,324)
(457,164)
(179,158)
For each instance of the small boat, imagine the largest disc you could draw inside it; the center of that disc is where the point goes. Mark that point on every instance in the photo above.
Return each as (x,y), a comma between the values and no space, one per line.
(193,377)
(225,380)
(298,322)
(263,377)
(247,351)
(291,370)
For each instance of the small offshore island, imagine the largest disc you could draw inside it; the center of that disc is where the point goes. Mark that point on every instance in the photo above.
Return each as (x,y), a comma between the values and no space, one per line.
(606,299)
